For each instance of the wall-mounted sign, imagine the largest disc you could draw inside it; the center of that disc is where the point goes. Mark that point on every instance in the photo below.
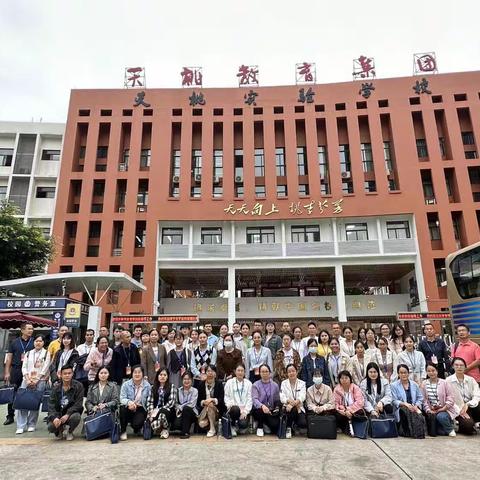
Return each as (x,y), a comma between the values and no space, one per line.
(72,315)
(423,316)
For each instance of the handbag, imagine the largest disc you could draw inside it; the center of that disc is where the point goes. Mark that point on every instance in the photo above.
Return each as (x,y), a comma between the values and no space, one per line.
(28,399)
(226,427)
(383,427)
(7,393)
(80,374)
(415,426)
(431,420)
(282,427)
(360,427)
(115,433)
(98,424)
(45,400)
(147,430)
(321,426)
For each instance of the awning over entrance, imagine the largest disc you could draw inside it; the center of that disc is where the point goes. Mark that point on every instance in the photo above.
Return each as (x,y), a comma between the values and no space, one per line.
(15,319)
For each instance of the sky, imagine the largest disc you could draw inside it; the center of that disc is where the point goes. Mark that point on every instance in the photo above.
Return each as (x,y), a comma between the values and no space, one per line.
(49,47)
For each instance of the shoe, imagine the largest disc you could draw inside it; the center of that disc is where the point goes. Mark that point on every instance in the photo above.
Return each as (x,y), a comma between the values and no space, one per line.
(266,429)
(456,426)
(210,433)
(8,421)
(66,431)
(19,431)
(123,436)
(183,436)
(234,431)
(477,427)
(69,437)
(452,434)
(164,434)
(260,432)
(289,433)
(31,429)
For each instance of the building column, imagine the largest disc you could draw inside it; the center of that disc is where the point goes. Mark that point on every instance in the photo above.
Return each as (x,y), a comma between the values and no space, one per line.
(340,290)
(232,291)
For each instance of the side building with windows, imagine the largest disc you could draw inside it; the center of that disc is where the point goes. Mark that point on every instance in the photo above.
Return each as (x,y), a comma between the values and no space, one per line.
(342,208)
(30,155)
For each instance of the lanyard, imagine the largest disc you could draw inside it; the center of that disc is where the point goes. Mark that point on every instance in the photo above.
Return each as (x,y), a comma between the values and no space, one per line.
(240,395)
(103,358)
(411,357)
(35,360)
(24,347)
(384,360)
(297,345)
(293,390)
(257,358)
(462,390)
(337,359)
(268,394)
(350,350)
(127,357)
(362,366)
(187,397)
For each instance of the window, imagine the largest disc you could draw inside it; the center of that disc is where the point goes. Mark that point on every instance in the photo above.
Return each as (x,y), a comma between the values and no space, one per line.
(465,270)
(176,163)
(441,144)
(196,162)
(347,187)
(3,192)
(398,230)
(392,186)
(471,154)
(434,228)
(172,236)
(142,198)
(6,156)
(302,161)
(281,191)
(95,230)
(145,156)
(260,191)
(140,234)
(367,157)
(303,190)
(217,192)
(81,151)
(259,163)
(218,163)
(239,191)
(356,231)
(98,188)
(102,152)
(344,152)
(137,273)
(211,236)
(468,138)
(51,155)
(323,166)
(238,159)
(387,155)
(260,234)
(280,162)
(370,186)
(195,192)
(440,272)
(45,192)
(422,150)
(305,233)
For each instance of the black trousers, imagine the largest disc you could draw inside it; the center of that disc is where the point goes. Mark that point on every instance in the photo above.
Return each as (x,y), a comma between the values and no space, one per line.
(235,417)
(294,417)
(72,422)
(16,379)
(388,409)
(185,421)
(342,420)
(135,418)
(272,421)
(466,425)
(252,377)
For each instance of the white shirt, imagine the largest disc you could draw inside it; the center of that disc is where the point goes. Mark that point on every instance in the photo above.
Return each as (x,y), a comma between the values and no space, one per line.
(300,346)
(297,391)
(238,394)
(467,391)
(84,349)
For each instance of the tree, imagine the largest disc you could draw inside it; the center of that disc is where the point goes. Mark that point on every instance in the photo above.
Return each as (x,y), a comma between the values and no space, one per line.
(23,249)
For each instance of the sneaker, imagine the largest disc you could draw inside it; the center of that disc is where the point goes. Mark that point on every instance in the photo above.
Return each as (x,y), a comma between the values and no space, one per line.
(210,433)
(31,429)
(183,436)
(456,426)
(8,421)
(289,433)
(66,431)
(260,432)
(234,431)
(164,433)
(452,434)
(69,437)
(477,427)
(266,429)
(19,431)
(123,436)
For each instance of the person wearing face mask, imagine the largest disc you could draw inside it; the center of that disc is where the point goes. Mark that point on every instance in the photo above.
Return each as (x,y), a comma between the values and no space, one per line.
(320,399)
(414,360)
(376,392)
(228,359)
(284,357)
(257,356)
(266,402)
(337,362)
(271,339)
(312,362)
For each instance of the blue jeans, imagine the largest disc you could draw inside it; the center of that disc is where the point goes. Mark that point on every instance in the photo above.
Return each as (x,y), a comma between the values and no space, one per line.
(444,423)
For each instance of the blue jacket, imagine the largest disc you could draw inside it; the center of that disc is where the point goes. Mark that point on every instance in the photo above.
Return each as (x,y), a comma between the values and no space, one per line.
(127,392)
(308,366)
(399,395)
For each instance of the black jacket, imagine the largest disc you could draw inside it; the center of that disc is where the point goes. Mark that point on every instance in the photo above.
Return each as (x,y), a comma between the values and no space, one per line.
(120,359)
(72,362)
(74,396)
(218,393)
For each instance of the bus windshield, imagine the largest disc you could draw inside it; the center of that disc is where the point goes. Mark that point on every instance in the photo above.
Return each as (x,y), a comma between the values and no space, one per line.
(465,270)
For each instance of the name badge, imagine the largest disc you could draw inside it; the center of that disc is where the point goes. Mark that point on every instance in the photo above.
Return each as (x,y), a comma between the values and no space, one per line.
(257,371)
(128,370)
(22,356)
(434,359)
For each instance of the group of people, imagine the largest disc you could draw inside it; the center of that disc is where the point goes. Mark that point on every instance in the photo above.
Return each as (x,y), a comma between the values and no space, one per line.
(190,379)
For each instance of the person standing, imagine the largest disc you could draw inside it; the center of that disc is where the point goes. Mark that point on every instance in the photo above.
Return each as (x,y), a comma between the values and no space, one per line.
(137,336)
(65,405)
(312,332)
(434,350)
(313,362)
(337,362)
(14,361)
(100,356)
(67,355)
(256,356)
(297,342)
(204,355)
(180,361)
(468,350)
(414,360)
(271,339)
(117,336)
(153,357)
(124,358)
(54,346)
(84,349)
(228,359)
(284,357)
(211,338)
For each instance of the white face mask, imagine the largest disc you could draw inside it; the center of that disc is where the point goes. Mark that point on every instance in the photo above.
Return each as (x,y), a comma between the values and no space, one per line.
(317,380)
(228,344)
(312,349)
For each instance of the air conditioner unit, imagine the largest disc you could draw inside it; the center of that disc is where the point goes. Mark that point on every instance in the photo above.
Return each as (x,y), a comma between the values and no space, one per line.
(123,167)
(117,252)
(141,208)
(239,179)
(175,179)
(198,177)
(346,174)
(121,209)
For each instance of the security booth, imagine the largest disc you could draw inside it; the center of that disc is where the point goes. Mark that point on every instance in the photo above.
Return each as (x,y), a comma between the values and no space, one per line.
(414,322)
(152,321)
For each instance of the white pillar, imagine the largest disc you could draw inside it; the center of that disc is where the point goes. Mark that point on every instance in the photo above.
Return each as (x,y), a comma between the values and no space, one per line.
(190,240)
(94,318)
(422,294)
(340,290)
(380,238)
(232,291)
(335,236)
(284,240)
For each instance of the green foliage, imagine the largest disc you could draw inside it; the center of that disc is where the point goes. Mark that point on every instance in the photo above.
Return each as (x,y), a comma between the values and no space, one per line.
(23,249)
